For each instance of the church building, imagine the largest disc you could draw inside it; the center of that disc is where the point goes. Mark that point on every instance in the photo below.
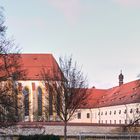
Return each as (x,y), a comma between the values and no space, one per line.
(33,96)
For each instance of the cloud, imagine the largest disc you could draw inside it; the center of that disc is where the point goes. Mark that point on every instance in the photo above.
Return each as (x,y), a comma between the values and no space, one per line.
(128,3)
(70,9)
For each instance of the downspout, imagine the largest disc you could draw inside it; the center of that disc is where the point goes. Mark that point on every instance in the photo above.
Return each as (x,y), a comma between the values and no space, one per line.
(91,115)
(126,116)
(99,115)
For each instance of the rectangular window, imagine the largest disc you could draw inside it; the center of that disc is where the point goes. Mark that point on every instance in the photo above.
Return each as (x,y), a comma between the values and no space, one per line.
(79,115)
(119,111)
(137,110)
(125,121)
(88,115)
(119,121)
(125,111)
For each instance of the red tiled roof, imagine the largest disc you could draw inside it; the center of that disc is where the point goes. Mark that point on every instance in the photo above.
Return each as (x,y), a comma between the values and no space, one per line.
(119,95)
(93,95)
(33,64)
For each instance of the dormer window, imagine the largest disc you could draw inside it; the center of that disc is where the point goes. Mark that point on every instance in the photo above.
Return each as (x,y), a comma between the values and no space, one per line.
(135,88)
(35,58)
(103,96)
(132,96)
(122,97)
(115,93)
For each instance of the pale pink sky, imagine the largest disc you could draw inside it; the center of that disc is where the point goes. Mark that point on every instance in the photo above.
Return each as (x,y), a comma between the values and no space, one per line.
(102,35)
(130,3)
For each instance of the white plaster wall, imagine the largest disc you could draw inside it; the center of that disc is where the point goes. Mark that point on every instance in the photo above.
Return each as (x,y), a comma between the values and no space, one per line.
(83,118)
(118,118)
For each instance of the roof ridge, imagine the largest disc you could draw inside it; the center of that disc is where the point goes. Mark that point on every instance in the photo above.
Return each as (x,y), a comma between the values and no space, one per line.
(36,54)
(124,84)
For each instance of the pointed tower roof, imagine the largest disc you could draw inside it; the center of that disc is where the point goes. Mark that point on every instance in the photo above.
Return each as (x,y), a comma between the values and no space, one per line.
(121,77)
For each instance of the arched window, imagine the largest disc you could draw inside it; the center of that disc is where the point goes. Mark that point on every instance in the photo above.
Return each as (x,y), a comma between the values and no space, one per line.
(50,101)
(58,104)
(39,101)
(26,101)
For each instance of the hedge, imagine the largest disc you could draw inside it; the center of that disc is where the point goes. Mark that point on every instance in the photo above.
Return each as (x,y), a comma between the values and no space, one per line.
(39,137)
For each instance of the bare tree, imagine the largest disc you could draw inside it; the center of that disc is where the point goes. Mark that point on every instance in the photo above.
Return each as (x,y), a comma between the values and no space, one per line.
(67,93)
(133,114)
(10,72)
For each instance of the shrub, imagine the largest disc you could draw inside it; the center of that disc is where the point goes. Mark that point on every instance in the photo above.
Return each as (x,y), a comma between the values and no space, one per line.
(39,137)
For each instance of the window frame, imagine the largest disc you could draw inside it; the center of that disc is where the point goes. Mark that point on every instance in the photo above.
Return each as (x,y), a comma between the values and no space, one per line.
(79,115)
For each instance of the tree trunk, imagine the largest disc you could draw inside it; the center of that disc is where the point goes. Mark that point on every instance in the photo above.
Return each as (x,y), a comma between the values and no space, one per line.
(65,130)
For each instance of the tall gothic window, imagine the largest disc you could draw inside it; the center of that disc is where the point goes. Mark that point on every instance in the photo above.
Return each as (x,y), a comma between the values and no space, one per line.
(39,101)
(50,101)
(26,101)
(58,104)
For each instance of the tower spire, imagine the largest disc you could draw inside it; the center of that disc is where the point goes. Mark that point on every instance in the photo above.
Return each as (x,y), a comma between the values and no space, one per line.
(121,77)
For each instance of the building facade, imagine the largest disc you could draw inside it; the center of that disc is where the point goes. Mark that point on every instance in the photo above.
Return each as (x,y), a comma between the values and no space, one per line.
(117,105)
(35,101)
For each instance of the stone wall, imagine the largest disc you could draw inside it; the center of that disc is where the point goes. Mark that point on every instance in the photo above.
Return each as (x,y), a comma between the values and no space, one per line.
(74,131)
(57,129)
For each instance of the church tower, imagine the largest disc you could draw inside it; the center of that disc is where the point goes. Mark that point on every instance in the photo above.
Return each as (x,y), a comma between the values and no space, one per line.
(121,77)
